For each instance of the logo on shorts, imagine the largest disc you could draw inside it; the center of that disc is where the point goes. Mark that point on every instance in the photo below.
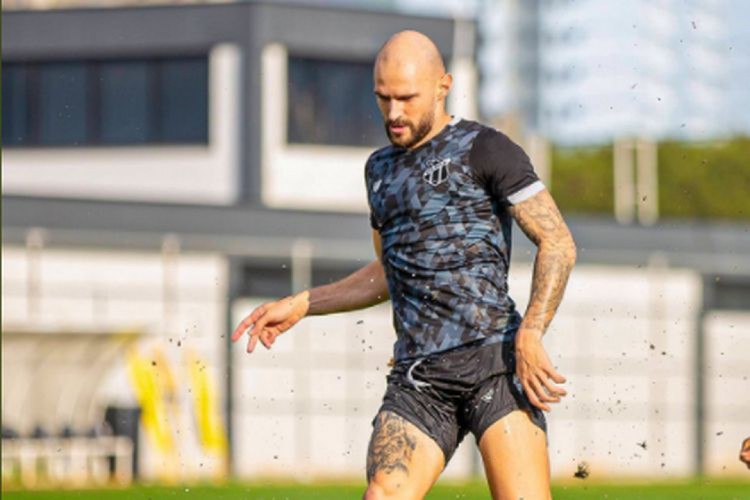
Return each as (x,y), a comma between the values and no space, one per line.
(437,171)
(488,396)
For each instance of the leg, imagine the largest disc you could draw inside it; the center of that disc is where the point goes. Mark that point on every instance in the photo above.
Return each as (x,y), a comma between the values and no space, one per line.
(402,461)
(514,452)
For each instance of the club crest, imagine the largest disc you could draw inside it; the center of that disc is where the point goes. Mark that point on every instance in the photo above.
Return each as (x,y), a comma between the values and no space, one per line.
(437,171)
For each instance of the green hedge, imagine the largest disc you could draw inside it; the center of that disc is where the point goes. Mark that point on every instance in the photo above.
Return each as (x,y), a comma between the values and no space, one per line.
(705,180)
(696,180)
(582,180)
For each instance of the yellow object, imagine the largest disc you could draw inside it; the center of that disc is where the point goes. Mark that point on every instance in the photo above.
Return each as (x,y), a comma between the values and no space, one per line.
(149,378)
(213,436)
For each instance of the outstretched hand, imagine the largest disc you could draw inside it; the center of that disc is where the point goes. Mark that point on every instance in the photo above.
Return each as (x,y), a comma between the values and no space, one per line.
(535,371)
(269,320)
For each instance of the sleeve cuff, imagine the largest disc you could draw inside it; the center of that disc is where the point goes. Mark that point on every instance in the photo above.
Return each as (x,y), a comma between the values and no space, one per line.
(526,193)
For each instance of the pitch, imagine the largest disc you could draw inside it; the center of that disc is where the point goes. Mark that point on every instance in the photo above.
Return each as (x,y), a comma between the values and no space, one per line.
(708,489)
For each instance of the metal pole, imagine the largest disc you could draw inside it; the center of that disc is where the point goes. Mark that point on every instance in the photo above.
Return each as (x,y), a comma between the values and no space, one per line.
(699,380)
(234,287)
(302,252)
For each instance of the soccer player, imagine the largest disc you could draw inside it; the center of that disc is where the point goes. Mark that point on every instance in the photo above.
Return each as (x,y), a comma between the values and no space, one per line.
(442,199)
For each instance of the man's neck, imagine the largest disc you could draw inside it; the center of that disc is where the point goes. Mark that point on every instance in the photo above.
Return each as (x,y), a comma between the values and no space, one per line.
(437,127)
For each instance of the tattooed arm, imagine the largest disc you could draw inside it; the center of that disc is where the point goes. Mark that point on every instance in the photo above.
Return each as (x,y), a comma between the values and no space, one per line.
(541,221)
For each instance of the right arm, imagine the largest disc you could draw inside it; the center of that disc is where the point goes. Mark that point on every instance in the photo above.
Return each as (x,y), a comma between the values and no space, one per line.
(363,288)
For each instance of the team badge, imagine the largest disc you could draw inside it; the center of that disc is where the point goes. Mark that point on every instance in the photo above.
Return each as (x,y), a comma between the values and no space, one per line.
(437,171)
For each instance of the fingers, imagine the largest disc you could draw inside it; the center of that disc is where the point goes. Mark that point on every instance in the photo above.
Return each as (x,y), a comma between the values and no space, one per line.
(251,343)
(554,390)
(255,334)
(536,394)
(540,389)
(248,322)
(554,375)
(267,338)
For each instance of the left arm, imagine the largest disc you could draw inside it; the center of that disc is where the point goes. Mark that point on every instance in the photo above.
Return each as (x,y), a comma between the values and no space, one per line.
(541,221)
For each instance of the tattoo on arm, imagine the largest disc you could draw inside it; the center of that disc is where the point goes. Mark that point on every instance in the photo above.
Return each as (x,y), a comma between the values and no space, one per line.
(391,446)
(541,221)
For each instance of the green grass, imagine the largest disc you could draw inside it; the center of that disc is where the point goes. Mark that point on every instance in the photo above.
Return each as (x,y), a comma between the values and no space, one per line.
(581,490)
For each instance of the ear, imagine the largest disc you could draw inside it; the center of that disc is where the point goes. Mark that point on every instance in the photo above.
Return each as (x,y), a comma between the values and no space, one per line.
(444,86)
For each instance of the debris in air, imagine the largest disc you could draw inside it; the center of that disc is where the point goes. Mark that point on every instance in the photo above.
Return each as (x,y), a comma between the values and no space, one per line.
(642,445)
(583,471)
(360,322)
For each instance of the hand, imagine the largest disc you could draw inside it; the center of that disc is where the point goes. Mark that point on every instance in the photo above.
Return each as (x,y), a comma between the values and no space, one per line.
(271,319)
(535,371)
(745,452)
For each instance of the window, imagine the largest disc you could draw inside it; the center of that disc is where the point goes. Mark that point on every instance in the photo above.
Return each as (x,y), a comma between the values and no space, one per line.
(15,104)
(331,102)
(181,82)
(125,113)
(63,107)
(106,102)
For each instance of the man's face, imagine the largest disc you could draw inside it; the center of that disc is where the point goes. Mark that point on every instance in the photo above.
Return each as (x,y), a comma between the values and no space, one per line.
(406,98)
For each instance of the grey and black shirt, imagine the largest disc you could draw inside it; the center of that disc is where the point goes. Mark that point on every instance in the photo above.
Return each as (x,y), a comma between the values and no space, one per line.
(441,210)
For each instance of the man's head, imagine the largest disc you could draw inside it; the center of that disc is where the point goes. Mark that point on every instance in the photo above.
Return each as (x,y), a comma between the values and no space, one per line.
(410,87)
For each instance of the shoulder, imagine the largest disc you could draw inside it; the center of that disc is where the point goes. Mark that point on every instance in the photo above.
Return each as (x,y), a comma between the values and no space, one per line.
(502,166)
(490,142)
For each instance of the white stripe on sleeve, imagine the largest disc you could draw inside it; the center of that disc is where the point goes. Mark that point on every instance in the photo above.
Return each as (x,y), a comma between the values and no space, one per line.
(526,193)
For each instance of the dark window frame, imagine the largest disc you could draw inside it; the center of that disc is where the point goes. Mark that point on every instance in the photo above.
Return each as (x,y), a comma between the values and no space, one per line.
(94,104)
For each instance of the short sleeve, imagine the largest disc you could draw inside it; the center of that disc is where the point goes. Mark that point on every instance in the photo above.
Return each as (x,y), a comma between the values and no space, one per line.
(503,168)
(373,222)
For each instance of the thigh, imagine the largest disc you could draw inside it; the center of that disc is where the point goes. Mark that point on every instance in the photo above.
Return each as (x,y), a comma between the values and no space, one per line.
(514,452)
(402,461)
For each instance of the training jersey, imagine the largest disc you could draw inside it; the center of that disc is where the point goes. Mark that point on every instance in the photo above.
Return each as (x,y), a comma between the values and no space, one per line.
(441,211)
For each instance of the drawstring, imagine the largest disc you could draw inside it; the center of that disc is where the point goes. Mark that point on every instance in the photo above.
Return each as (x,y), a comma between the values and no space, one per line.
(410,377)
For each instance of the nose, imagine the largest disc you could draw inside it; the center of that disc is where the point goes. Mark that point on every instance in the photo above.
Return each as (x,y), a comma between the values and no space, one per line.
(395,110)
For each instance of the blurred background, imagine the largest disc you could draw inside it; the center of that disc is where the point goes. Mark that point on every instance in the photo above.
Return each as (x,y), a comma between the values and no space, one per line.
(167,166)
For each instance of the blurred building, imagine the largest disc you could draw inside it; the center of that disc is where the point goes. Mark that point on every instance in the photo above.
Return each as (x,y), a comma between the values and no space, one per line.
(656,70)
(165,168)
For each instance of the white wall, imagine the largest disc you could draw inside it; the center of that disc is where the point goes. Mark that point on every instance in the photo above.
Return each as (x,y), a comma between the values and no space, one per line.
(169,174)
(304,408)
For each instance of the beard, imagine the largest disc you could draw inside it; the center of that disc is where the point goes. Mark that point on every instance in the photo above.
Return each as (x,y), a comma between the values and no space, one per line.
(417,132)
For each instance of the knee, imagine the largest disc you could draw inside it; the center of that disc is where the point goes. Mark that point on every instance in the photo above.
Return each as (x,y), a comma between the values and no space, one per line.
(378,490)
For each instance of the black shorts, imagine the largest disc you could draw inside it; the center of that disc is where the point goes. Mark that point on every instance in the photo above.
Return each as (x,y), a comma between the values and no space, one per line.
(449,394)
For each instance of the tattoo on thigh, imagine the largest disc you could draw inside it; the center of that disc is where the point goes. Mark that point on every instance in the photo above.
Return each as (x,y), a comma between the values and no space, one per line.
(391,446)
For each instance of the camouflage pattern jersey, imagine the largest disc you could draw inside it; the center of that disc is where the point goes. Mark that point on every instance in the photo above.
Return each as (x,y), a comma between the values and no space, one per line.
(441,210)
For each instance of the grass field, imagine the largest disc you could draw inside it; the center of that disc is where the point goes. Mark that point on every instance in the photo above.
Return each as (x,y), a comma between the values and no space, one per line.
(706,490)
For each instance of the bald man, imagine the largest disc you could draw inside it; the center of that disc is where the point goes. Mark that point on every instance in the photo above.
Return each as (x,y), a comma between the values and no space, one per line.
(442,199)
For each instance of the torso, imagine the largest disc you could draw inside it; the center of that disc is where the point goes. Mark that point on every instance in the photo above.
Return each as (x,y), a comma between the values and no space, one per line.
(445,244)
